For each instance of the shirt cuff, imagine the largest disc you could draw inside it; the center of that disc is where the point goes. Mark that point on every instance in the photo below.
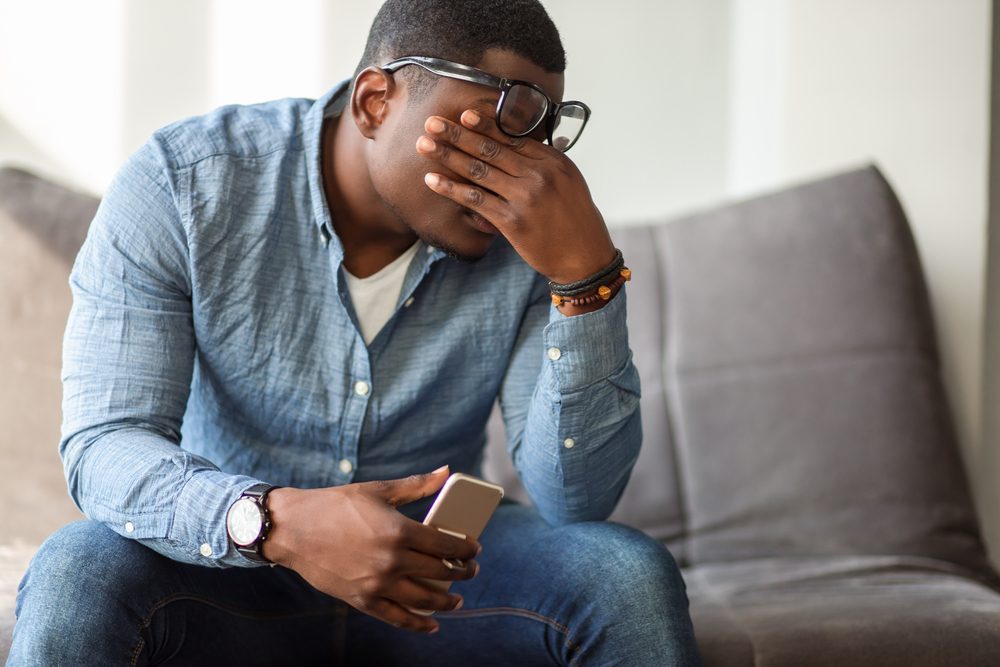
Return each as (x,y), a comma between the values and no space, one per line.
(588,348)
(199,524)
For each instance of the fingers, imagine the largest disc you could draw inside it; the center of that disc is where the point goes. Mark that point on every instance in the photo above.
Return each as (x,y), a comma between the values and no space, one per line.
(486,204)
(432,542)
(426,596)
(477,170)
(421,565)
(479,124)
(399,616)
(411,594)
(478,157)
(401,491)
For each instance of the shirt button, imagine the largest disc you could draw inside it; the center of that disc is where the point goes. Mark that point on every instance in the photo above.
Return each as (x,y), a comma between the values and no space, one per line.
(568,443)
(206,550)
(408,302)
(361,388)
(346,466)
(430,250)
(554,353)
(129,527)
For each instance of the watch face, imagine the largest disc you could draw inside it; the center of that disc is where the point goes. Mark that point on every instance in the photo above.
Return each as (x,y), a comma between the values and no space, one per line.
(244,522)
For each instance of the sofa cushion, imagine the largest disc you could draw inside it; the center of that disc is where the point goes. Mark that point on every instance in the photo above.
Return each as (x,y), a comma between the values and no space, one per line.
(877,611)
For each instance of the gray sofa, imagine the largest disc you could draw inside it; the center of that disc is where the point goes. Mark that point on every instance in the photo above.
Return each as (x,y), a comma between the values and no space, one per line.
(799,459)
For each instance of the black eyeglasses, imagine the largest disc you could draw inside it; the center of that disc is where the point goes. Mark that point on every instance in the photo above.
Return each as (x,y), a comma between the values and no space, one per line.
(522,107)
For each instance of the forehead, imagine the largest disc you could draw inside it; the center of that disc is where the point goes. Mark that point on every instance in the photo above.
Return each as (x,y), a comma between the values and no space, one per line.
(509,65)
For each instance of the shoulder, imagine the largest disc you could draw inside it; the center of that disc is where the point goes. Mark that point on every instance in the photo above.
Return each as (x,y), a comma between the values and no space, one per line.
(237,131)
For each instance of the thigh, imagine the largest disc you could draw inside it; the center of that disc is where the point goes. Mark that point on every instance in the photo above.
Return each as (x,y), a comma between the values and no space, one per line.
(91,596)
(586,593)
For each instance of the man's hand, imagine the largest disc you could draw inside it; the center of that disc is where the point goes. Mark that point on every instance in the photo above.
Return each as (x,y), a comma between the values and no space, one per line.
(350,542)
(532,193)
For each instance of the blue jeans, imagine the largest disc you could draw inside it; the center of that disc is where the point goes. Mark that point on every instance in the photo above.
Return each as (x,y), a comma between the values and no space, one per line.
(583,594)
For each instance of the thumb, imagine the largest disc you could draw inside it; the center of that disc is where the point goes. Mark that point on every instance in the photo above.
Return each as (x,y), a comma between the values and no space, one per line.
(407,489)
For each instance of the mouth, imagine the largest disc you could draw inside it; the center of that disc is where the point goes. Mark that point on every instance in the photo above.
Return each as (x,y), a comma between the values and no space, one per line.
(479,222)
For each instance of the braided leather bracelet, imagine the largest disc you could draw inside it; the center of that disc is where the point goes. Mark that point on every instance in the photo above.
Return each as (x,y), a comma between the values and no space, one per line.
(603,293)
(590,282)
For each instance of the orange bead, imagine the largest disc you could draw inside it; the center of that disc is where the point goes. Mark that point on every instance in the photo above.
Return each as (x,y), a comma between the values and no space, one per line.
(604,292)
(626,274)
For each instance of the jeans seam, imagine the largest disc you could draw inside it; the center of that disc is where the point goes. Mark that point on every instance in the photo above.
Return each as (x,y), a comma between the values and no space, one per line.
(570,646)
(235,611)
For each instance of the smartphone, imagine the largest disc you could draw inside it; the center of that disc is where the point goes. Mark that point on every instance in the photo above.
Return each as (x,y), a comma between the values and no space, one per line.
(462,508)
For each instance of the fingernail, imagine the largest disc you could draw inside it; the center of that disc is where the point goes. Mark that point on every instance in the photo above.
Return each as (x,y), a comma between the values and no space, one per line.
(434,630)
(434,180)
(471,118)
(426,144)
(434,125)
(479,549)
(459,605)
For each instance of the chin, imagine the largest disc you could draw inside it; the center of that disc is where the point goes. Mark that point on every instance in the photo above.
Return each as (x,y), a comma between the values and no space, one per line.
(460,250)
(463,243)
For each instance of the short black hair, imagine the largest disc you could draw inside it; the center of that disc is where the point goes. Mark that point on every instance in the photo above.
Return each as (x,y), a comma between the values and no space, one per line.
(461,31)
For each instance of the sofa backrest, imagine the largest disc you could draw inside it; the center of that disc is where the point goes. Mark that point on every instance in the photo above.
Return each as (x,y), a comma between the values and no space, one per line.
(41,228)
(792,398)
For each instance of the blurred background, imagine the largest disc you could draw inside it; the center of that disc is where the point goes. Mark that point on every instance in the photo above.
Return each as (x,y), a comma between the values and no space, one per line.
(695,102)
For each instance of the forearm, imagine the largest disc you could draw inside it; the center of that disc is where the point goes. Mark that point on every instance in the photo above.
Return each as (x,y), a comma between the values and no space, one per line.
(144,487)
(581,434)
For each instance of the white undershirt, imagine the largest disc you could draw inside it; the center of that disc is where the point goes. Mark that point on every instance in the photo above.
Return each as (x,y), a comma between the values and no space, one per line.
(375,297)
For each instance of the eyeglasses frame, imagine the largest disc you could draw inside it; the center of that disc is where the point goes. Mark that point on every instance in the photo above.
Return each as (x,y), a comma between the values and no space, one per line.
(453,70)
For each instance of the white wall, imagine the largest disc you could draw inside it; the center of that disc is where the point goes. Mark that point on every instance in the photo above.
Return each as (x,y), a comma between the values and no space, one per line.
(694,101)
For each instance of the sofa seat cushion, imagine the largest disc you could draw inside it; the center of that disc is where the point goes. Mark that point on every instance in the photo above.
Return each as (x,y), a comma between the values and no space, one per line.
(866,610)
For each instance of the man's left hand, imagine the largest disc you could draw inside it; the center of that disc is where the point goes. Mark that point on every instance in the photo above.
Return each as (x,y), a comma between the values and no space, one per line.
(532,193)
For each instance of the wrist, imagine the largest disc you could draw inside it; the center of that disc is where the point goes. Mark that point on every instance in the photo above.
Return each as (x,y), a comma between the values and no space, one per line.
(584,267)
(277,547)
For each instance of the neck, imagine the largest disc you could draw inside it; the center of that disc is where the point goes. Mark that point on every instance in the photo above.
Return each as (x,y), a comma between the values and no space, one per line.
(371,234)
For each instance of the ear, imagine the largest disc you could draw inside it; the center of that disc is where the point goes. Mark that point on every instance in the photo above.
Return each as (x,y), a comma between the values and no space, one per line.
(373,88)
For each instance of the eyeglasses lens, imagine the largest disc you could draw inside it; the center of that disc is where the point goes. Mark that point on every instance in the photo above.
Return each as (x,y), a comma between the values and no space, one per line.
(522,110)
(568,125)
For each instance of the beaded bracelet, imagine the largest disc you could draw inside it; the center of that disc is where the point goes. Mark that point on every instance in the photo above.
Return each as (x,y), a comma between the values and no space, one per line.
(603,293)
(590,282)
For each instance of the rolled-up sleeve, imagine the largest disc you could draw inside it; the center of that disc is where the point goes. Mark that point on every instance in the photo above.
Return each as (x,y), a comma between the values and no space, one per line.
(128,355)
(570,402)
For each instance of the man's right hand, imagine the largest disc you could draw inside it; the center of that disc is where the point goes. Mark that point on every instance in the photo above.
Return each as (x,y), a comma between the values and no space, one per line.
(350,542)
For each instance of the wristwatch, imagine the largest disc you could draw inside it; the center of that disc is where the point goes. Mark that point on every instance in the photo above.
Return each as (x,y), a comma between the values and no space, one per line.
(248,522)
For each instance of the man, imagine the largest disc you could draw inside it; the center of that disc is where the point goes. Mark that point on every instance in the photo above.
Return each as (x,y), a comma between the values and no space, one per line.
(290,307)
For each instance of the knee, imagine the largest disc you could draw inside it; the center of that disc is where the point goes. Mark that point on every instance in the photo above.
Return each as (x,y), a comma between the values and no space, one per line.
(83,561)
(626,568)
(76,589)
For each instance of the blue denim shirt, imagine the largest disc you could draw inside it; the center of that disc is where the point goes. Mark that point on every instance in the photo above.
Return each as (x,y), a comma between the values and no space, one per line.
(212,345)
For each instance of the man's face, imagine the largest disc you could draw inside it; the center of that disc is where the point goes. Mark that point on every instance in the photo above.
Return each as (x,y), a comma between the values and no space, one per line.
(397,170)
